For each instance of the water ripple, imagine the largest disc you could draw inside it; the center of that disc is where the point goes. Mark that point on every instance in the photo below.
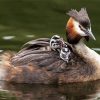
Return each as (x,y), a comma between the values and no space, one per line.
(30,36)
(8,37)
(96,49)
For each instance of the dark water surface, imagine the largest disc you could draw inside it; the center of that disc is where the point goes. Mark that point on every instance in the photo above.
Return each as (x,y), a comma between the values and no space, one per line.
(76,91)
(24,20)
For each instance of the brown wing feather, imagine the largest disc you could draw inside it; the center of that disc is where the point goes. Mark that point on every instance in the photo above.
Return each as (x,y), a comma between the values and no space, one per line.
(37,52)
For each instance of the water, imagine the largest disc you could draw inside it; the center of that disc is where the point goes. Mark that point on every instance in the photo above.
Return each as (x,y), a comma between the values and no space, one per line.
(76,91)
(96,49)
(21,21)
(24,20)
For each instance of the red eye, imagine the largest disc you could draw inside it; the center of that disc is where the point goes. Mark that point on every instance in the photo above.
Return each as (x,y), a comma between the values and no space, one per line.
(80,27)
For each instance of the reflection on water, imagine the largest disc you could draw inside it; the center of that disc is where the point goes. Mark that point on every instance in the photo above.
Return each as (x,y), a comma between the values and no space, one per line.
(1,51)
(79,91)
(8,37)
(96,49)
(30,36)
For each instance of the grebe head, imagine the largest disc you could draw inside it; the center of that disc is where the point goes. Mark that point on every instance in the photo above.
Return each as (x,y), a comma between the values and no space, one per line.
(78,26)
(56,42)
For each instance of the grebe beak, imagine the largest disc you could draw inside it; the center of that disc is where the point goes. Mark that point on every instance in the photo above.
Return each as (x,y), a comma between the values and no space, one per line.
(90,34)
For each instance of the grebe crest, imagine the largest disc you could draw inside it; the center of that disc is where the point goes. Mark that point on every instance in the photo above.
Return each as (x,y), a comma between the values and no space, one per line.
(78,26)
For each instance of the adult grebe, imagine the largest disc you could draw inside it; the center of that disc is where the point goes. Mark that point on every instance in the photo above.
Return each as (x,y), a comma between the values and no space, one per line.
(45,61)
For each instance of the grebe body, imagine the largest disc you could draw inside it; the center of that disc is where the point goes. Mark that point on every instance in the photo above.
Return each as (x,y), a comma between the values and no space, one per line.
(49,61)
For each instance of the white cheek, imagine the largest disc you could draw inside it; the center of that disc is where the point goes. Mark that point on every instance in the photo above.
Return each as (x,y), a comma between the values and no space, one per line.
(78,30)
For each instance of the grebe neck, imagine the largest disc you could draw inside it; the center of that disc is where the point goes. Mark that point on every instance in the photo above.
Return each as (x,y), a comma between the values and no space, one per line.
(89,55)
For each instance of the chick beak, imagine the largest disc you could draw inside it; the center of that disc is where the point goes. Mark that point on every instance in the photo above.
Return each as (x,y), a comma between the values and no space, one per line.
(61,42)
(90,34)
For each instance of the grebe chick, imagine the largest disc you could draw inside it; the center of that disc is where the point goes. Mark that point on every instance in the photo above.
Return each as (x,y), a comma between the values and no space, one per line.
(65,53)
(58,44)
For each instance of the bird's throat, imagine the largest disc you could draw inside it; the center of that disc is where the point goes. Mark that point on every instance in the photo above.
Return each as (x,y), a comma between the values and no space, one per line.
(73,39)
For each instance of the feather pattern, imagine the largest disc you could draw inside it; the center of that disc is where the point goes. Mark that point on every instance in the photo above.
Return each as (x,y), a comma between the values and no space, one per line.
(38,53)
(81,16)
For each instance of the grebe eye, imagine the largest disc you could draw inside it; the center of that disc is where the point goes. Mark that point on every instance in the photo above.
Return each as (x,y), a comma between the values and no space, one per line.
(80,27)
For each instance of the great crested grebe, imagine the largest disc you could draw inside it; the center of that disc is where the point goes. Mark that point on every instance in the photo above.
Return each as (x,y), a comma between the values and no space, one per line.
(52,60)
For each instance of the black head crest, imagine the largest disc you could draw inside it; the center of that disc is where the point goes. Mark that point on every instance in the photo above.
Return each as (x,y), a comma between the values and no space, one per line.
(81,16)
